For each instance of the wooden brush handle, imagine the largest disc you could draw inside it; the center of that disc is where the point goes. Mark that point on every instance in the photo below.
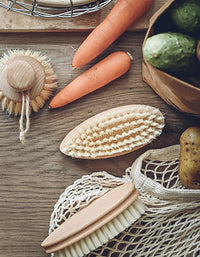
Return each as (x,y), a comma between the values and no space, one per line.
(91,218)
(20,75)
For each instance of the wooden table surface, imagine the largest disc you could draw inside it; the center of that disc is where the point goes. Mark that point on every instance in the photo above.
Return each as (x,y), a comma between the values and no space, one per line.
(12,21)
(32,176)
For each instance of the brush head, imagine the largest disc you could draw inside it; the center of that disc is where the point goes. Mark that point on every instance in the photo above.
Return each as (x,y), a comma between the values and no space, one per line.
(25,72)
(114,132)
(97,217)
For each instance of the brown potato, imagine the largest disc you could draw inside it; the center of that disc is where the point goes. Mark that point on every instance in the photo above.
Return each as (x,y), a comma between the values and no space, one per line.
(189,163)
(198,50)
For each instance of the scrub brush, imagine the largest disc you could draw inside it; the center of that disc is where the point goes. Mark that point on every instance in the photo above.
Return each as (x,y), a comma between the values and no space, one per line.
(27,81)
(97,223)
(114,132)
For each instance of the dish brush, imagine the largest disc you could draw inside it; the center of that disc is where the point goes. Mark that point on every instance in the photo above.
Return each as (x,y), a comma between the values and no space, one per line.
(97,223)
(114,132)
(27,81)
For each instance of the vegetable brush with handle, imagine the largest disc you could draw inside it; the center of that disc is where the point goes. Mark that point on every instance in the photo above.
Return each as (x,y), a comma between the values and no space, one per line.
(97,223)
(114,132)
(27,81)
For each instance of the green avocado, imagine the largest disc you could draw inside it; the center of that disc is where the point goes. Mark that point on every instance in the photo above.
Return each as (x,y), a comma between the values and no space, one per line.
(186,16)
(171,52)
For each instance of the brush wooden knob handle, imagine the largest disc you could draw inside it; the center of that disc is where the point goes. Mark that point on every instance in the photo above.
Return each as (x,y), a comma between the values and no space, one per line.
(20,75)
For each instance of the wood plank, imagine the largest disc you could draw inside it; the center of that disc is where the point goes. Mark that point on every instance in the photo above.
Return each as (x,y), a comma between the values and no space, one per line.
(16,22)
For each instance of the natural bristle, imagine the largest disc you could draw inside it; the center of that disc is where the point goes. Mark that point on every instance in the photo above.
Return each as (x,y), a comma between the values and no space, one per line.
(114,132)
(37,101)
(105,233)
(17,109)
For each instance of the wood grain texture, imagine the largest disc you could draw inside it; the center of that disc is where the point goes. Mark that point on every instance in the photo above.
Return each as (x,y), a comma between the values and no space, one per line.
(12,21)
(33,176)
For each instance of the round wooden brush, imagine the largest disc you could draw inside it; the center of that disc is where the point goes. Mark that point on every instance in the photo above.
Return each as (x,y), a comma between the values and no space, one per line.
(27,81)
(97,223)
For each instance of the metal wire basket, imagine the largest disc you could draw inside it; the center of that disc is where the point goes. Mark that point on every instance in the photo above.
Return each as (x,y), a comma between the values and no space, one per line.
(39,9)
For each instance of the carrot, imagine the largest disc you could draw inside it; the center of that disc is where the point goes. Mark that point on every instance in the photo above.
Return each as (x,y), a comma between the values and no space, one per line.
(108,69)
(122,15)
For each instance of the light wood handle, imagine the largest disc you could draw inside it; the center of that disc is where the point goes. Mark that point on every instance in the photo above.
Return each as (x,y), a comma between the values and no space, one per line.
(91,218)
(20,75)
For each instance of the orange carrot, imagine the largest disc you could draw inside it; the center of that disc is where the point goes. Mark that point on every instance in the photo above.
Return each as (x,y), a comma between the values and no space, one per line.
(108,69)
(122,15)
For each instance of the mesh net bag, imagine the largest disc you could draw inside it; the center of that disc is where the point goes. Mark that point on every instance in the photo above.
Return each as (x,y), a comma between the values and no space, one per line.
(170,225)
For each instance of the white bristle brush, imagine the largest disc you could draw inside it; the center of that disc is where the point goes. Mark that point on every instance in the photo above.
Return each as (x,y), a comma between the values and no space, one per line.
(97,223)
(114,132)
(27,81)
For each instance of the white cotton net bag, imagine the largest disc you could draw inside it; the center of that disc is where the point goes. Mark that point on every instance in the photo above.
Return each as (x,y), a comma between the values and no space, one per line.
(82,192)
(170,225)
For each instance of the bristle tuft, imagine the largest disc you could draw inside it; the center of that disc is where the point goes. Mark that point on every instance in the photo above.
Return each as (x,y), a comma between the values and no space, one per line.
(50,78)
(4,103)
(50,86)
(45,94)
(34,105)
(40,101)
(11,107)
(17,109)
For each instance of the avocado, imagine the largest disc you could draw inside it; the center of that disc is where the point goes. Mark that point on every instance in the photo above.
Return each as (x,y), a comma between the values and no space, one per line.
(186,16)
(172,52)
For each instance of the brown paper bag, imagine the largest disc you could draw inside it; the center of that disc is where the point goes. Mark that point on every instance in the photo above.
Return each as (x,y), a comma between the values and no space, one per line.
(180,94)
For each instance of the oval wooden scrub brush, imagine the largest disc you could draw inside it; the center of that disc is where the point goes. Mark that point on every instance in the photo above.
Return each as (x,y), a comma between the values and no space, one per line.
(114,132)
(27,80)
(97,223)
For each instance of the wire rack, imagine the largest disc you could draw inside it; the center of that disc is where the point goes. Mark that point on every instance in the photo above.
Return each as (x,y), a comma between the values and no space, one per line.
(36,9)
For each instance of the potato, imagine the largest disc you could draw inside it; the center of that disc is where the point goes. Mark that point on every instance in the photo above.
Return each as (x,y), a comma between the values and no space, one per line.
(189,162)
(198,51)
